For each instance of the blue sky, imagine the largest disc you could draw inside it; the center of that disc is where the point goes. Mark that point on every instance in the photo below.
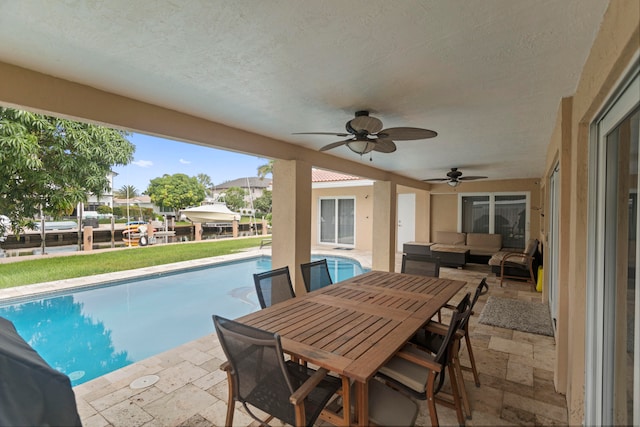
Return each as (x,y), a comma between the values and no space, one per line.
(155,157)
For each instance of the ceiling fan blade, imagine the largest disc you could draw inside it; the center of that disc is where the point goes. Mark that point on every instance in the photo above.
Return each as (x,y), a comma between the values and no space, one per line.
(471,178)
(384,146)
(407,134)
(436,179)
(336,144)
(321,133)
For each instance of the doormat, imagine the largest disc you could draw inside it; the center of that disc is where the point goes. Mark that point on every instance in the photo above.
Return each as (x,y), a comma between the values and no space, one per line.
(525,316)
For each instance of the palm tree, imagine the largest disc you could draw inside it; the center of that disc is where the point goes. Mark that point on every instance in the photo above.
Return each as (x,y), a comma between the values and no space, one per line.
(265,170)
(127,191)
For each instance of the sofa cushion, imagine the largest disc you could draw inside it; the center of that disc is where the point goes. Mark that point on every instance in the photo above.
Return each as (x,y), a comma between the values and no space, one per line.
(450,238)
(438,247)
(482,250)
(484,242)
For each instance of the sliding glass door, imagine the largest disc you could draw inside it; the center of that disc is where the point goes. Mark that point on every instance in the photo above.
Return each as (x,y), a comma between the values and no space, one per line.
(613,377)
(337,221)
(499,213)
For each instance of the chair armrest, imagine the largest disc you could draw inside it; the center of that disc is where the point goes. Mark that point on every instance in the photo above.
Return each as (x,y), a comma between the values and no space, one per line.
(521,255)
(226,366)
(441,329)
(426,361)
(436,328)
(309,385)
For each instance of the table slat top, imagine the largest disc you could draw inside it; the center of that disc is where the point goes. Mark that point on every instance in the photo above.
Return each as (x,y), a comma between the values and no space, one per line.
(353,327)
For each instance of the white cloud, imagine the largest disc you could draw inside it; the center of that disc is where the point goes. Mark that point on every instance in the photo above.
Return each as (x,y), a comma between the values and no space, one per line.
(143,163)
(185,162)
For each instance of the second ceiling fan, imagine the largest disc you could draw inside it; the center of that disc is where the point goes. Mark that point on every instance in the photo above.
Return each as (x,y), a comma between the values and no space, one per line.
(454,176)
(366,134)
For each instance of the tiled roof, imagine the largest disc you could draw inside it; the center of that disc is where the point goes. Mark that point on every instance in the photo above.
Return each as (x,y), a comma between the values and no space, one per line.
(254,182)
(320,175)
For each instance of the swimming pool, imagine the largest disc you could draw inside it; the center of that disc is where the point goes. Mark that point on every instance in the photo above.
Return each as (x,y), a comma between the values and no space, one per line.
(91,332)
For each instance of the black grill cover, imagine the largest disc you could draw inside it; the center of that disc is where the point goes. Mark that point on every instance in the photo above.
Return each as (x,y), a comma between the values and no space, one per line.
(31,392)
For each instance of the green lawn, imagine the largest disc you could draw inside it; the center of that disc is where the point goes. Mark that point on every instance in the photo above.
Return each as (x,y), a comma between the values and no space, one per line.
(65,267)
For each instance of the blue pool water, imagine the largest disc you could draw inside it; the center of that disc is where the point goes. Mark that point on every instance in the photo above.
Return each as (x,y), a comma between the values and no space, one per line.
(89,333)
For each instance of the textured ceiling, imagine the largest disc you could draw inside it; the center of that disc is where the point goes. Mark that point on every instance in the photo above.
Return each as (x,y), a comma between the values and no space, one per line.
(487,75)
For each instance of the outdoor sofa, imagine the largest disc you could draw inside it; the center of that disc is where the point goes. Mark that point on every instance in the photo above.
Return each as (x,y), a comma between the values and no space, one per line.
(481,246)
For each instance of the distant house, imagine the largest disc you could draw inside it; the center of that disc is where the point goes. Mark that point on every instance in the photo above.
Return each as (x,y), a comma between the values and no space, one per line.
(90,208)
(254,187)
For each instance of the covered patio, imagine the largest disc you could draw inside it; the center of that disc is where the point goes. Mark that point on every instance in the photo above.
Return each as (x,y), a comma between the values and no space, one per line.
(516,90)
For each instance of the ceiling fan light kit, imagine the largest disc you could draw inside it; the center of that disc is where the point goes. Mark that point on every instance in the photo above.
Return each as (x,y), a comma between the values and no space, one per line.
(367,135)
(360,147)
(453,183)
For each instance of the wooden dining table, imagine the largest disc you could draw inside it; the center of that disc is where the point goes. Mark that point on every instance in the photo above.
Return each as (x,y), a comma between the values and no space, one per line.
(353,327)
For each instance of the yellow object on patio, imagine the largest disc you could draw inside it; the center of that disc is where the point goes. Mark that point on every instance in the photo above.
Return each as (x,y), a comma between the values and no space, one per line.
(540,279)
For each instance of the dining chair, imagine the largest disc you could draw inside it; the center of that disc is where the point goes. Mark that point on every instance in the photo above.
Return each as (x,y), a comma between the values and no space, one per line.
(273,286)
(259,375)
(315,275)
(421,265)
(421,372)
(389,407)
(431,327)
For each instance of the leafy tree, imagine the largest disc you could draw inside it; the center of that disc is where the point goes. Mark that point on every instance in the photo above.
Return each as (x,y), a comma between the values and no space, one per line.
(265,169)
(263,203)
(118,211)
(176,191)
(53,163)
(234,198)
(125,190)
(206,182)
(104,209)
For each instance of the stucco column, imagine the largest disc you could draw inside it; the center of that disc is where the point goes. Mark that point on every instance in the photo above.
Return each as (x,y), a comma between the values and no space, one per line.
(384,226)
(291,241)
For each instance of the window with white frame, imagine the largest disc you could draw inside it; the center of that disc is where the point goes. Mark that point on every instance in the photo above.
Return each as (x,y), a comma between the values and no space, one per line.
(337,220)
(500,213)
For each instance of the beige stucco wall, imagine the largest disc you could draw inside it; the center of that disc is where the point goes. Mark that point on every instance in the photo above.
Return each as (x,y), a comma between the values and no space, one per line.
(364,213)
(616,44)
(559,153)
(444,201)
